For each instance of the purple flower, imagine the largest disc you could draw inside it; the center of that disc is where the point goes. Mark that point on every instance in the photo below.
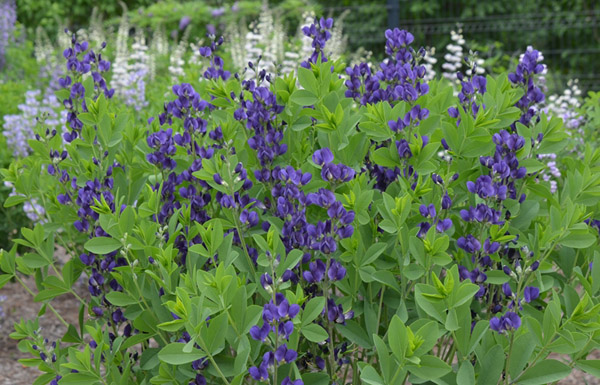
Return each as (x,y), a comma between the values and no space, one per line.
(446,202)
(315,273)
(335,313)
(285,355)
(260,373)
(443,225)
(266,280)
(469,244)
(531,293)
(322,156)
(184,22)
(336,271)
(319,34)
(507,322)
(260,334)
(87,259)
(427,211)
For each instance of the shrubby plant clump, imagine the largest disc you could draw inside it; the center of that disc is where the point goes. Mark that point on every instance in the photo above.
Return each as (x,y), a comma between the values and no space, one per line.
(335,225)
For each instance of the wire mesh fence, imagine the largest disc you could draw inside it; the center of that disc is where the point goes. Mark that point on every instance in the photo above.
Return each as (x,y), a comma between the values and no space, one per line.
(568,36)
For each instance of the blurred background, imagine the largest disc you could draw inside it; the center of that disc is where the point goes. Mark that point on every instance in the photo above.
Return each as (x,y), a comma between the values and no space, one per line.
(566,31)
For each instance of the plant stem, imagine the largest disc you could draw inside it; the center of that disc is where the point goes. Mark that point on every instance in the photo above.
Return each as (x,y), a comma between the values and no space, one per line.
(238,227)
(60,318)
(510,346)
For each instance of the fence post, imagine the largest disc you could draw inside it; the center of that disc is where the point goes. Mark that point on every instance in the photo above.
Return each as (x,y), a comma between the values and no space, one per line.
(393,13)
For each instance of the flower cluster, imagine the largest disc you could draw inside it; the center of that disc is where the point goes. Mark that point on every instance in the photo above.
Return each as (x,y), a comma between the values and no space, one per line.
(176,60)
(8,18)
(134,90)
(277,317)
(76,67)
(524,76)
(507,322)
(215,69)
(319,34)
(454,57)
(400,77)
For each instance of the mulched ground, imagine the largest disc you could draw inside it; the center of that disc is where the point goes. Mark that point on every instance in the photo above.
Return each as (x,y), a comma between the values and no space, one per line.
(19,304)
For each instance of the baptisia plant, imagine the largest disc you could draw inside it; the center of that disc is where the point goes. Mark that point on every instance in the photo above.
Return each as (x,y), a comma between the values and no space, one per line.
(302,230)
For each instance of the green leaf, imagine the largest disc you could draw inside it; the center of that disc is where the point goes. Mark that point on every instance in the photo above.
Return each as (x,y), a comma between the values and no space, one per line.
(14,200)
(525,344)
(102,245)
(44,379)
(492,365)
(316,378)
(382,157)
(79,378)
(4,278)
(118,298)
(49,294)
(590,366)
(596,273)
(314,333)
(496,277)
(429,368)
(373,252)
(383,357)
(173,354)
(424,296)
(452,320)
(215,334)
(313,308)
(290,261)
(544,372)
(466,374)
(34,261)
(369,375)
(578,239)
(355,333)
(307,80)
(303,98)
(464,294)
(301,123)
(398,338)
(529,210)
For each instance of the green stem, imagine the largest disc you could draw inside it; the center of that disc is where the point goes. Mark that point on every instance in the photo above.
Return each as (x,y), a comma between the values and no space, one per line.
(379,312)
(239,230)
(330,330)
(60,318)
(510,347)
(137,286)
(450,353)
(212,361)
